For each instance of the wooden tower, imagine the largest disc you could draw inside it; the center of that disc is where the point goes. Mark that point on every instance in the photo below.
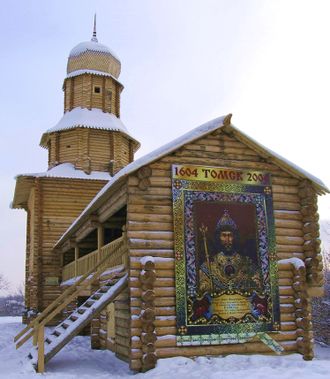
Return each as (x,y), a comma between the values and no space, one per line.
(85,149)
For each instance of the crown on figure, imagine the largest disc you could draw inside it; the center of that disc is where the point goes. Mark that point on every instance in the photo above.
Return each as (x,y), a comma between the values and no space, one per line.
(226,221)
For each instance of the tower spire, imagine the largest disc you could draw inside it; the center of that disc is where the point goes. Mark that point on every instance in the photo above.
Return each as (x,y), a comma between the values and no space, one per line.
(94,39)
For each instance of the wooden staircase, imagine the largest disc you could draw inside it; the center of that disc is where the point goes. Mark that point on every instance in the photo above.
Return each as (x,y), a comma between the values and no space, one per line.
(82,316)
(47,346)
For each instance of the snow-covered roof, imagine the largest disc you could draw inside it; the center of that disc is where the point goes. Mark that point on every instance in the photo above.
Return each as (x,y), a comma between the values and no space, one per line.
(87,118)
(85,46)
(199,132)
(92,72)
(24,182)
(67,170)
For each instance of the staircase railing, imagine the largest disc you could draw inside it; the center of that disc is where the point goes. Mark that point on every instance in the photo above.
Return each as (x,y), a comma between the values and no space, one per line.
(84,263)
(35,328)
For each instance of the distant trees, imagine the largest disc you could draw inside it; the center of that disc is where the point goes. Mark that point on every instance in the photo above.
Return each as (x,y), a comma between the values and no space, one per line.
(321,305)
(11,304)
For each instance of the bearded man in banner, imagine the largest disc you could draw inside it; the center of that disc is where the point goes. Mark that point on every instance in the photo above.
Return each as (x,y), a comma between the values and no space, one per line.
(228,269)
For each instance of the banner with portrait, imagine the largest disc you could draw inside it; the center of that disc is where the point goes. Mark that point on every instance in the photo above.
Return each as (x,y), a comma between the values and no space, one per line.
(225,256)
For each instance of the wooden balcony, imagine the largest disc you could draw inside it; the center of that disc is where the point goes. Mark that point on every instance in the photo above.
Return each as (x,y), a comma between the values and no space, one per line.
(117,249)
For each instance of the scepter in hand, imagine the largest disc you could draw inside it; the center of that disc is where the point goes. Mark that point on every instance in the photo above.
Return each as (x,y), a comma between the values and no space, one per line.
(203,229)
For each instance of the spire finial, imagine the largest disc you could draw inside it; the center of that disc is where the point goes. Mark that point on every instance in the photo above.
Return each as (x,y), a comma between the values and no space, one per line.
(94,39)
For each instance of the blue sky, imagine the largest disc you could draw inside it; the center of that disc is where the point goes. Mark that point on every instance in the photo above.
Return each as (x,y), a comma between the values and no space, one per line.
(184,62)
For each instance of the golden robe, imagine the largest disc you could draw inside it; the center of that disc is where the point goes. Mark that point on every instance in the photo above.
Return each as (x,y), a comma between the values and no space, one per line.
(229,272)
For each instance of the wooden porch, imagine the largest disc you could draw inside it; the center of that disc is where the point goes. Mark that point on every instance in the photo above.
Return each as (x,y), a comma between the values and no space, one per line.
(80,266)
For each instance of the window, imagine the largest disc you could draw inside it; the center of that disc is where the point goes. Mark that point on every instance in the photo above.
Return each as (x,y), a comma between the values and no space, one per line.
(97,89)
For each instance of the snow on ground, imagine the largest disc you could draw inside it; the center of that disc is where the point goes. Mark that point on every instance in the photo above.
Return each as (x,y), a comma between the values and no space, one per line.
(77,360)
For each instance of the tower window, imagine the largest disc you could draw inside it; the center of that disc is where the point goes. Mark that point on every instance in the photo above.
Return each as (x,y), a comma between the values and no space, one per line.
(97,89)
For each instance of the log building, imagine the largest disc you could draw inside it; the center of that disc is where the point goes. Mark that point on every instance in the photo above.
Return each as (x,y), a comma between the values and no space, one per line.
(116,244)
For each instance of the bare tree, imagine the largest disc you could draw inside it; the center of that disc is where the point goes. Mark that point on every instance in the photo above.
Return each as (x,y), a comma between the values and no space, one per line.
(18,293)
(321,305)
(4,284)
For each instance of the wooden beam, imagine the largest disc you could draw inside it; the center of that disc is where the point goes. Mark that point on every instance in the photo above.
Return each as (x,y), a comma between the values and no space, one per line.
(41,349)
(68,245)
(76,257)
(114,222)
(91,224)
(117,201)
(100,241)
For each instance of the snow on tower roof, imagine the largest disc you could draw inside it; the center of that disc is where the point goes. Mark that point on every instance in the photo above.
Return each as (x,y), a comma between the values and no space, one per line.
(92,45)
(223,123)
(85,46)
(67,170)
(92,72)
(87,118)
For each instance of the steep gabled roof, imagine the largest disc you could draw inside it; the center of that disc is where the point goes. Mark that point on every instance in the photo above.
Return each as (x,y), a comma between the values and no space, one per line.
(223,123)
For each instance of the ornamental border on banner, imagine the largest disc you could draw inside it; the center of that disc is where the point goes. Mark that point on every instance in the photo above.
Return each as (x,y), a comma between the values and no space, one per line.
(220,187)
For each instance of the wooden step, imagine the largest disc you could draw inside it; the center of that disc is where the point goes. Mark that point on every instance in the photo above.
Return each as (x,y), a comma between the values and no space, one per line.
(75,328)
(104,289)
(96,296)
(118,274)
(56,333)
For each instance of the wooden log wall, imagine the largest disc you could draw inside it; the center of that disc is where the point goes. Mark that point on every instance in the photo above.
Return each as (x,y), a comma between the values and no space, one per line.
(302,313)
(57,203)
(311,234)
(122,152)
(147,316)
(150,232)
(95,333)
(90,149)
(27,263)
(79,92)
(52,153)
(117,109)
(63,147)
(104,341)
(120,342)
(35,269)
(122,323)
